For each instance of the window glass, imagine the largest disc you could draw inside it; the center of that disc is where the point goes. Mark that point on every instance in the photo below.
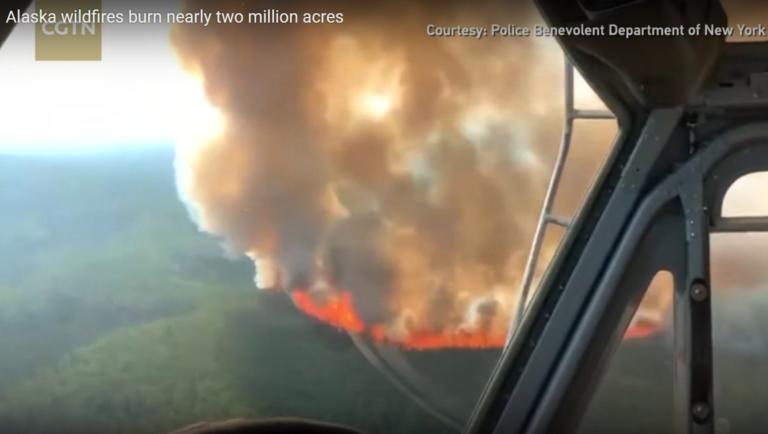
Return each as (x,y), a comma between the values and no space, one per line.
(590,138)
(635,394)
(740,330)
(260,221)
(740,200)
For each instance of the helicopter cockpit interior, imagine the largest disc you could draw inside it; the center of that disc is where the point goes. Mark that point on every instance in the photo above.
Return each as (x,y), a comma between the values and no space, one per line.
(333,176)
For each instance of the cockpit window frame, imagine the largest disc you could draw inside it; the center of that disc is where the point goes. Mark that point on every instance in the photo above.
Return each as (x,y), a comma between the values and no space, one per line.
(690,154)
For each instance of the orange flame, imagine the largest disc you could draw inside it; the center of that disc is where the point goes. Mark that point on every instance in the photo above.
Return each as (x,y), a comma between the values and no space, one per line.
(458,339)
(641,330)
(338,311)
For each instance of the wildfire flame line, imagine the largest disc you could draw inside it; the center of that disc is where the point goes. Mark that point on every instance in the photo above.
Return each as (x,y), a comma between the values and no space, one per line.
(338,311)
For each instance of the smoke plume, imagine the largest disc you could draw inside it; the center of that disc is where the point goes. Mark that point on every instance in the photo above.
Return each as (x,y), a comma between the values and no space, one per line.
(389,180)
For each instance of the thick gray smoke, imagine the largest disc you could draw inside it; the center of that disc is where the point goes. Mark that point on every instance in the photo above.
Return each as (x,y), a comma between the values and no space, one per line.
(368,157)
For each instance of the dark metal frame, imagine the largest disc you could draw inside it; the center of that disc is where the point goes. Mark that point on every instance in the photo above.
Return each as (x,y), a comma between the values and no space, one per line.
(654,209)
(546,218)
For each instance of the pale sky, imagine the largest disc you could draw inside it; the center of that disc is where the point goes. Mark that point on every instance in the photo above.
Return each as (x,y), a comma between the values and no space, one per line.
(138,95)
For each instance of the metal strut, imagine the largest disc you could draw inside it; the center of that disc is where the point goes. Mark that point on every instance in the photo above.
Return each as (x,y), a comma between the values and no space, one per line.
(546,217)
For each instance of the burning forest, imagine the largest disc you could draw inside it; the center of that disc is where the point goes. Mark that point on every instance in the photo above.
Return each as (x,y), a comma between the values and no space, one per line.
(387,180)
